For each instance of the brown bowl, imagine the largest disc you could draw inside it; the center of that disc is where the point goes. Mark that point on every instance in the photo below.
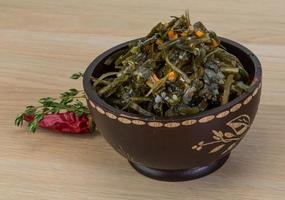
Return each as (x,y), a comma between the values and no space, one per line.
(180,148)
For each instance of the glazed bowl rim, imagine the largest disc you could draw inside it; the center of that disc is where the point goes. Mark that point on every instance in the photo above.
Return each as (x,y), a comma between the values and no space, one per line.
(94,98)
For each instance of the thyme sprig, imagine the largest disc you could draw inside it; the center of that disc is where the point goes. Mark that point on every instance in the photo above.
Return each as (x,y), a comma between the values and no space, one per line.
(69,101)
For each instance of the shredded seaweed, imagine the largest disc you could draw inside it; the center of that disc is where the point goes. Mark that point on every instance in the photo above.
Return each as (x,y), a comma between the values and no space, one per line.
(177,69)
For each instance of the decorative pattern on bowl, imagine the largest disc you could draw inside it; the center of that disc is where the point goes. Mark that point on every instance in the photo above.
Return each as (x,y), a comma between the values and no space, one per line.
(155,124)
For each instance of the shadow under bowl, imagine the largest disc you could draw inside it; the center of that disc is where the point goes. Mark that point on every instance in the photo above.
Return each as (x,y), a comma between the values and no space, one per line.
(179,148)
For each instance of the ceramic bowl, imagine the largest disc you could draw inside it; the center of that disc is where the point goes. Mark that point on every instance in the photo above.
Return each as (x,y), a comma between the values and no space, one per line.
(179,148)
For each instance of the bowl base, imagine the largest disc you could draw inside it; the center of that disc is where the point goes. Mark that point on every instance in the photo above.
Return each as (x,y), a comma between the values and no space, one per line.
(179,175)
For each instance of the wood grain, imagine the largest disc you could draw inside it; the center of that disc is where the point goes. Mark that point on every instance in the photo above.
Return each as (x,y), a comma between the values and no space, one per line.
(43,42)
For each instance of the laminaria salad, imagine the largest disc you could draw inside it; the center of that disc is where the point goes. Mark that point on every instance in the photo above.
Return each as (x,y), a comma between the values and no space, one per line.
(177,69)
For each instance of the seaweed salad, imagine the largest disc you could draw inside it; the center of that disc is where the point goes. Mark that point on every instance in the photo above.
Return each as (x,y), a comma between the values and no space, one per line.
(177,69)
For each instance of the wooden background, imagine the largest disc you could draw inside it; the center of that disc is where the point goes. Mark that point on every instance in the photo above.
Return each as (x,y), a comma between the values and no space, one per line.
(43,42)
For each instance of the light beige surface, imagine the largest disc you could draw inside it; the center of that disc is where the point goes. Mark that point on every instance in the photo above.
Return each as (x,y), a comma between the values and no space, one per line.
(43,42)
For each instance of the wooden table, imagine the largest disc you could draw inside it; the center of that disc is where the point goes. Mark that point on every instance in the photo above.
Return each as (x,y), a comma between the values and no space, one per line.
(43,42)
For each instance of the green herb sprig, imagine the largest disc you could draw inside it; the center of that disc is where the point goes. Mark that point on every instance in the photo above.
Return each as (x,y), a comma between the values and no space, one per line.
(69,101)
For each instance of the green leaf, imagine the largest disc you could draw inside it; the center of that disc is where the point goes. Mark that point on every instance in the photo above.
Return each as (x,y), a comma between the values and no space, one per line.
(76,75)
(66,100)
(39,116)
(30,110)
(32,126)
(78,112)
(78,104)
(73,91)
(19,119)
(46,101)
(64,94)
(55,110)
(45,110)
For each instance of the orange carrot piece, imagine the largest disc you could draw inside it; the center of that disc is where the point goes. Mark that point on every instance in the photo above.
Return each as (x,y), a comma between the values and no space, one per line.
(171,35)
(199,33)
(171,76)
